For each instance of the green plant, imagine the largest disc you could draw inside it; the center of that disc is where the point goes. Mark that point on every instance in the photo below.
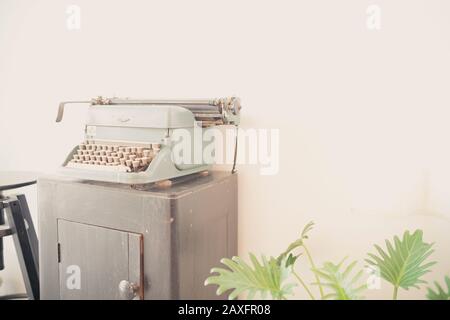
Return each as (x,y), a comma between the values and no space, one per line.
(263,277)
(343,286)
(291,258)
(403,264)
(439,294)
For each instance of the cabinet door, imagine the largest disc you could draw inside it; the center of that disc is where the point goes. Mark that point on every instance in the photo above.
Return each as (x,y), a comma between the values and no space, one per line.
(94,260)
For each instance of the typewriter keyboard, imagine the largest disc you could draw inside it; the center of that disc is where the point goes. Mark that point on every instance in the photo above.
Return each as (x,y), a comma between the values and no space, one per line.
(120,158)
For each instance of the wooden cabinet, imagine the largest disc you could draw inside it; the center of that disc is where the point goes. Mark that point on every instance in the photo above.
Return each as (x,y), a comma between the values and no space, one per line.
(127,241)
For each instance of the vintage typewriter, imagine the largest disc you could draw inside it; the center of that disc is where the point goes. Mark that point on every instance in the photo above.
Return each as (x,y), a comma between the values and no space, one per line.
(130,141)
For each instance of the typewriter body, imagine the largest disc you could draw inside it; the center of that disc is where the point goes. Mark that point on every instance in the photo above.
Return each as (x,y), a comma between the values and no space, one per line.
(130,141)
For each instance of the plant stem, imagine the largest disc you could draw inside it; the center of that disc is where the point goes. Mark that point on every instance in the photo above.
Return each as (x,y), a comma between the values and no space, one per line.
(314,267)
(303,284)
(395,293)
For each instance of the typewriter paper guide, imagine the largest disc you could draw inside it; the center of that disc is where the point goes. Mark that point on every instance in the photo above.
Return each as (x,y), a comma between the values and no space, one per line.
(144,116)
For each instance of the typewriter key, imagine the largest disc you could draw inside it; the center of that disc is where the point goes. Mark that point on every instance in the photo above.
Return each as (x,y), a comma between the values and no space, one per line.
(146,153)
(136,164)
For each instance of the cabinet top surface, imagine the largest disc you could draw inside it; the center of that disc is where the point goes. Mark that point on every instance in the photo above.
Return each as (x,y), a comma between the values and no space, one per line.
(177,188)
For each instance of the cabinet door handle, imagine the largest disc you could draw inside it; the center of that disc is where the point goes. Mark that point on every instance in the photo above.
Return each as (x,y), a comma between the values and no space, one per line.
(128,290)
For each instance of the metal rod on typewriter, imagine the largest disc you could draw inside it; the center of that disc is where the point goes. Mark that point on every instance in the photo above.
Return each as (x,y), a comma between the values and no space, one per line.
(231,104)
(198,102)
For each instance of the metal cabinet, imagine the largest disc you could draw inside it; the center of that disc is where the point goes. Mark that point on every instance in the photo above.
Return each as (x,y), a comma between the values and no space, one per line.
(141,242)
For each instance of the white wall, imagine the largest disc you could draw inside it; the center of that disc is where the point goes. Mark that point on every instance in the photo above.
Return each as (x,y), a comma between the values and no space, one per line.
(362,114)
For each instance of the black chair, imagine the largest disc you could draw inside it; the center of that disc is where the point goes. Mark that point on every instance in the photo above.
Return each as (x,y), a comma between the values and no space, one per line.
(19,225)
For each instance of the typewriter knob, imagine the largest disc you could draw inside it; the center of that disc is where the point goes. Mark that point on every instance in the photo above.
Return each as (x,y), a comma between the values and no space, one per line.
(234,105)
(128,290)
